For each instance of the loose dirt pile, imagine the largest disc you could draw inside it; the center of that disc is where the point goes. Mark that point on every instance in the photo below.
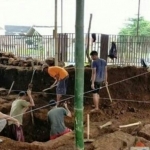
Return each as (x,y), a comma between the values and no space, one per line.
(120,112)
(11,59)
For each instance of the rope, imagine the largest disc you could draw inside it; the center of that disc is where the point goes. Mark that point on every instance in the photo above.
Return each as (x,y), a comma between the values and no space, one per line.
(43,106)
(118,82)
(126,100)
(94,89)
(83,94)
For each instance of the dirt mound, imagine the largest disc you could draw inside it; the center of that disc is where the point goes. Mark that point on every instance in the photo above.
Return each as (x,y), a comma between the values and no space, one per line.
(11,59)
(8,144)
(116,141)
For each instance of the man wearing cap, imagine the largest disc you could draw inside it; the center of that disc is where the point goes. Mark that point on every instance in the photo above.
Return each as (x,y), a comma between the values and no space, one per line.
(3,121)
(56,120)
(18,108)
(61,77)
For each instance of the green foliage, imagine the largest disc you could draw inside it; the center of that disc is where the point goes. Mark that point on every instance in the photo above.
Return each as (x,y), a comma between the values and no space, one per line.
(29,42)
(131,27)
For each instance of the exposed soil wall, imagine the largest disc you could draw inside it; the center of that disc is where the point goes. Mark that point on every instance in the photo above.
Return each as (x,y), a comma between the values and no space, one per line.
(127,89)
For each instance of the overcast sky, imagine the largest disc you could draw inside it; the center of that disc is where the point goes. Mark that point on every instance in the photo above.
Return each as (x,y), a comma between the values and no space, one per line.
(108,15)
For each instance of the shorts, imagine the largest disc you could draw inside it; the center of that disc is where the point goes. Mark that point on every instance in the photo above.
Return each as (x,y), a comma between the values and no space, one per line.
(62,86)
(15,132)
(97,86)
(3,123)
(58,135)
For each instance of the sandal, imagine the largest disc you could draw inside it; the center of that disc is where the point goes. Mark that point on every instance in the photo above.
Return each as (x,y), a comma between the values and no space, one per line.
(93,106)
(95,110)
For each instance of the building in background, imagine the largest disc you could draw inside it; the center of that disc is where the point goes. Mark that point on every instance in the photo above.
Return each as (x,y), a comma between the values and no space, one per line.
(41,38)
(16,30)
(41,30)
(2,31)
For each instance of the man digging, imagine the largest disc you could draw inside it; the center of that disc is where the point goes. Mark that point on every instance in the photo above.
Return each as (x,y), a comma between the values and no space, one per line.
(98,77)
(56,120)
(18,108)
(61,77)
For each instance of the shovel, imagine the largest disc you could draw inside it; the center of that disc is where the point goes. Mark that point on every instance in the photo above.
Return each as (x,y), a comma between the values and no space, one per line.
(44,93)
(30,87)
(88,140)
(32,63)
(11,88)
(49,88)
(108,93)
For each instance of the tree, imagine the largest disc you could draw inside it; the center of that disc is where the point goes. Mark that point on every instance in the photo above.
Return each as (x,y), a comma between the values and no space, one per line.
(131,47)
(131,27)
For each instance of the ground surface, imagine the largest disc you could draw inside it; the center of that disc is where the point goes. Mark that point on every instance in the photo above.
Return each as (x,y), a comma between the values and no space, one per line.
(120,112)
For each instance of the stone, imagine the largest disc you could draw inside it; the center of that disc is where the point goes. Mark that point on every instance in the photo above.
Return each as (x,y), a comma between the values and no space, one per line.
(59,143)
(131,109)
(122,111)
(11,55)
(145,132)
(148,69)
(4,60)
(50,61)
(117,117)
(114,141)
(15,63)
(3,91)
(10,61)
(61,64)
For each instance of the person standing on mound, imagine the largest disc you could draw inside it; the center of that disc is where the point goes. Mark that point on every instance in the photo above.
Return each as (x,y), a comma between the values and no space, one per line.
(98,77)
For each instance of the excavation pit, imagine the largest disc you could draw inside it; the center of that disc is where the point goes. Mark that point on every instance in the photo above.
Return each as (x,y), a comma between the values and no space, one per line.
(120,112)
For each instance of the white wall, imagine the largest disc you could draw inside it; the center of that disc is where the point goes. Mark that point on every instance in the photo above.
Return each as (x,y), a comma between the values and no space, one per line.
(2,31)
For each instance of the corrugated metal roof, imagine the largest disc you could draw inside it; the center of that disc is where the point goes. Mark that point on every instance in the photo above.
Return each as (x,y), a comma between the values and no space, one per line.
(16,29)
(42,30)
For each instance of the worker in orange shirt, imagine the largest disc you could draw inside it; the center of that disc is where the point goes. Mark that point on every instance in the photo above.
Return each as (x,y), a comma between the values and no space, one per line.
(61,77)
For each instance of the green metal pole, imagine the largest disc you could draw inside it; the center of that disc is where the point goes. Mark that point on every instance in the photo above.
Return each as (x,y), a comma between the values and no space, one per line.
(79,74)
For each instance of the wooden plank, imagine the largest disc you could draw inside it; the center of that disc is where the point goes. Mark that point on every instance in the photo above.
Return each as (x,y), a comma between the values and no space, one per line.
(104,46)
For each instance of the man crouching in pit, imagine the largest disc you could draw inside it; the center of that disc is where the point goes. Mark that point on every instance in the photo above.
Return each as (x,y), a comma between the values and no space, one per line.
(56,120)
(18,108)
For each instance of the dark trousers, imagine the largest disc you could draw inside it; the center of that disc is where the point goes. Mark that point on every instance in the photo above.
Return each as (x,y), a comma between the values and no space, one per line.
(62,86)
(15,132)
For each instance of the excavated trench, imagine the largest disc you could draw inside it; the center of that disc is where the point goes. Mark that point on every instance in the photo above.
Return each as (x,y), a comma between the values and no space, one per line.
(136,89)
(39,131)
